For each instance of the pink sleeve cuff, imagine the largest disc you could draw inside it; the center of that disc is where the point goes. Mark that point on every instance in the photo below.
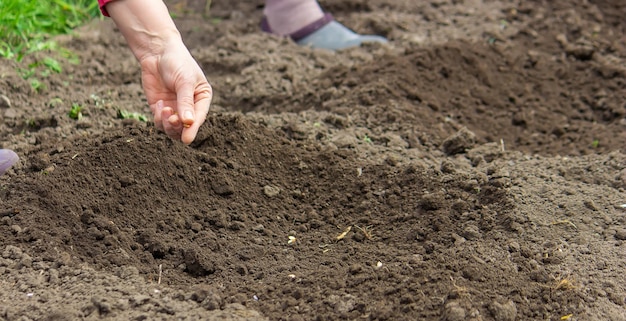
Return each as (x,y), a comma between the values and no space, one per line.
(103,3)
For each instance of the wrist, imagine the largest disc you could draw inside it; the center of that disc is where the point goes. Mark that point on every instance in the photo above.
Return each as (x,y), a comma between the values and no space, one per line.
(155,44)
(145,24)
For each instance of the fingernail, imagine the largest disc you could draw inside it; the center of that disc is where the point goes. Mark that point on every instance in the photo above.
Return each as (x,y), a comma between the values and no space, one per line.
(174,120)
(188,115)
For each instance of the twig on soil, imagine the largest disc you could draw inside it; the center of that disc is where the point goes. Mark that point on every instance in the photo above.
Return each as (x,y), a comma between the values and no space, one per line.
(502,144)
(367,231)
(461,291)
(344,233)
(325,247)
(564,284)
(160,274)
(564,222)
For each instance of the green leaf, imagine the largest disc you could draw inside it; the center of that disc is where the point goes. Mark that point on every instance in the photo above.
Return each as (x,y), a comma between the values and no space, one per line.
(52,64)
(123,114)
(75,112)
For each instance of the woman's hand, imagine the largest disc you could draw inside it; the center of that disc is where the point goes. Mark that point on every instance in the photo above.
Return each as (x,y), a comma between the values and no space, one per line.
(176,88)
(178,92)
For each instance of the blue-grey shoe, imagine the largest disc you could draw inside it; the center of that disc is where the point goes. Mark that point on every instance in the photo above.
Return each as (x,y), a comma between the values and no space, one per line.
(326,33)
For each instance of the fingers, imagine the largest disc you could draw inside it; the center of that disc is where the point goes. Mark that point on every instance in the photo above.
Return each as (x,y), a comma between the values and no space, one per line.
(172,125)
(185,102)
(182,121)
(202,109)
(203,95)
(157,109)
(168,120)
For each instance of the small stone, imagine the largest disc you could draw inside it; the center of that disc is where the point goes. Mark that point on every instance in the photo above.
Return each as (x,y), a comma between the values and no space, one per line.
(271,191)
(53,276)
(344,140)
(16,229)
(342,304)
(355,269)
(198,263)
(127,180)
(432,201)
(461,141)
(395,141)
(297,194)
(453,312)
(581,50)
(101,304)
(618,298)
(222,187)
(514,247)
(503,311)
(196,227)
(237,226)
(139,300)
(447,167)
(620,234)
(590,204)
(622,175)
(5,102)
(392,160)
(10,113)
(471,232)
(127,272)
(296,131)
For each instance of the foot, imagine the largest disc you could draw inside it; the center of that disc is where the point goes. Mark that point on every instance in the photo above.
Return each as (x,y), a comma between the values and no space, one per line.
(7,159)
(335,36)
(326,33)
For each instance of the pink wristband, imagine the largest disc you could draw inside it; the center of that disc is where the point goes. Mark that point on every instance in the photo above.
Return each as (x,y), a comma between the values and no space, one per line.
(103,3)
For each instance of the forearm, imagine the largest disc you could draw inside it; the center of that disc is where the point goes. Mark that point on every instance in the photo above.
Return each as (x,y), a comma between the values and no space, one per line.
(146,25)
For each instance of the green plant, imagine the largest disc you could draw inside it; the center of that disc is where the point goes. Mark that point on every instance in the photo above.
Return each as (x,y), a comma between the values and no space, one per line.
(76,112)
(27,26)
(595,143)
(36,85)
(52,64)
(44,67)
(123,114)
(97,100)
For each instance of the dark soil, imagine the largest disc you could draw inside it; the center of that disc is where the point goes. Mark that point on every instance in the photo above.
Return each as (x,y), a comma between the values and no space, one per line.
(472,169)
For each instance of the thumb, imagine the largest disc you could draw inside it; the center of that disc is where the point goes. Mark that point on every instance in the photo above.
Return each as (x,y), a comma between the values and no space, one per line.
(185,103)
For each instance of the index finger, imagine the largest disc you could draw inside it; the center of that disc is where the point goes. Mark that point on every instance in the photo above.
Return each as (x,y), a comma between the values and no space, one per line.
(189,133)
(185,102)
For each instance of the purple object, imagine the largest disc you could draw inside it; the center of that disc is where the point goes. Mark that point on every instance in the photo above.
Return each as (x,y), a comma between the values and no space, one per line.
(7,159)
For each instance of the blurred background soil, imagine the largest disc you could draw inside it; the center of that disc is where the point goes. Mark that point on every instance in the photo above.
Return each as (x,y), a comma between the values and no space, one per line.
(471,169)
